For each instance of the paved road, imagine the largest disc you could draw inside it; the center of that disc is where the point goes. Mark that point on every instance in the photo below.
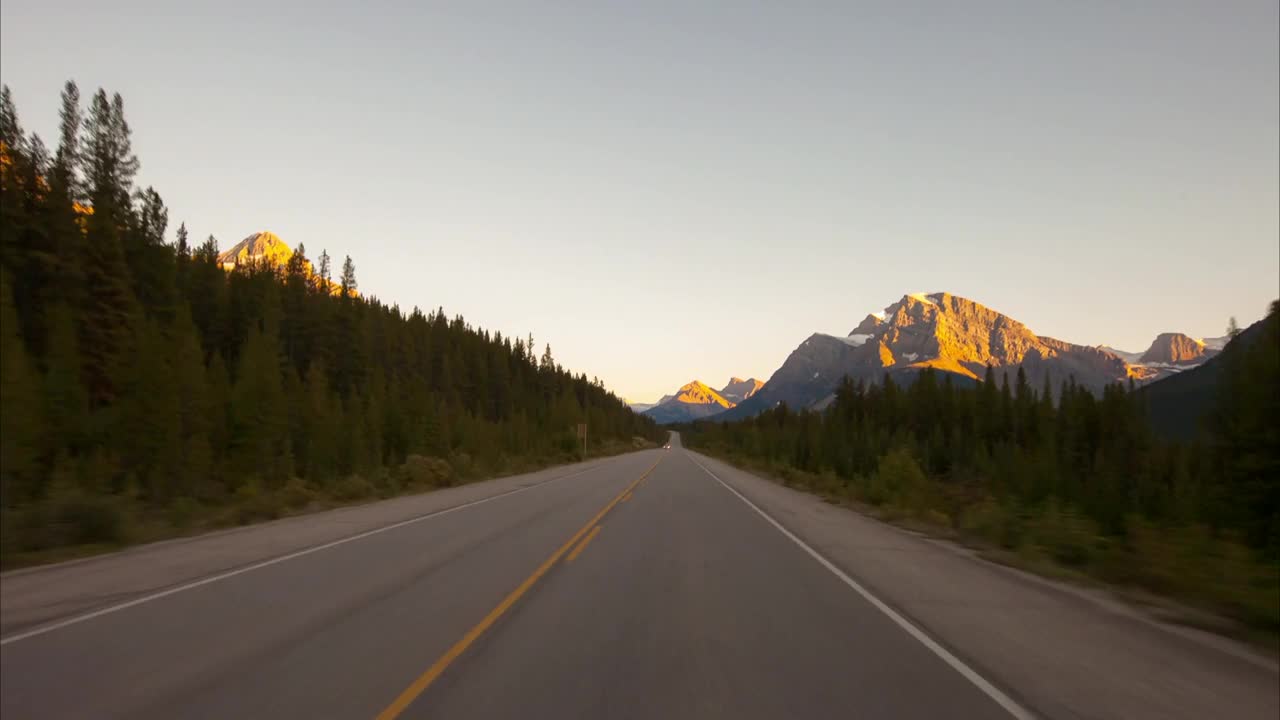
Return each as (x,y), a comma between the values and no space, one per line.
(640,588)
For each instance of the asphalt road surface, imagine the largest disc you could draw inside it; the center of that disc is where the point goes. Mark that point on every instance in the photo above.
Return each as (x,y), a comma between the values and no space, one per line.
(639,589)
(641,586)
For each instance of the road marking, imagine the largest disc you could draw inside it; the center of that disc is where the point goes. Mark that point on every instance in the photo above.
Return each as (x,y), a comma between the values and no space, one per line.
(423,681)
(583,545)
(626,497)
(41,630)
(1009,704)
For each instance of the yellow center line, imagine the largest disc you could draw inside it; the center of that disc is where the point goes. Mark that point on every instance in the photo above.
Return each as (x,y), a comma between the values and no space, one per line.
(583,545)
(424,680)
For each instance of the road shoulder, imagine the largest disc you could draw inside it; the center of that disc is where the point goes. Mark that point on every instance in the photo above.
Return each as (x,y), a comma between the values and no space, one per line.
(31,598)
(1062,651)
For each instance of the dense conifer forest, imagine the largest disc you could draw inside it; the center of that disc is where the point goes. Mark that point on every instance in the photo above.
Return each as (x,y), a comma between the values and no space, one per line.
(144,384)
(1079,480)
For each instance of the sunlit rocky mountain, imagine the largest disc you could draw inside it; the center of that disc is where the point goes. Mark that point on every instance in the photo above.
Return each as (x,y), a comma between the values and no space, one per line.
(266,247)
(259,247)
(1169,354)
(960,337)
(737,389)
(695,400)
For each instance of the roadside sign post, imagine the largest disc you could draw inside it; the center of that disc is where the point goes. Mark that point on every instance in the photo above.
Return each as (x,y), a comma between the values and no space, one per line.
(582,434)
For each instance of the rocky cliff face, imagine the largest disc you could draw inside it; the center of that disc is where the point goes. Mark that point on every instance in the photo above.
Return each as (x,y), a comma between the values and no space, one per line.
(259,247)
(698,394)
(1176,349)
(737,389)
(267,248)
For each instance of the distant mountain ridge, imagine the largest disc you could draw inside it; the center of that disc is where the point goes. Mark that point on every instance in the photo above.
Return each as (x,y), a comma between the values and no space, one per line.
(1169,354)
(696,400)
(737,389)
(960,337)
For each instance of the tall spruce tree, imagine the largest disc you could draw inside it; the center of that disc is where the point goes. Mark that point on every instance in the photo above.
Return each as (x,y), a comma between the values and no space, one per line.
(110,311)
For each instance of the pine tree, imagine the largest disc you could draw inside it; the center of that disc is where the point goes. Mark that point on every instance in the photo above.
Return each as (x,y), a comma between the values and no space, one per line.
(181,244)
(67,197)
(152,264)
(148,428)
(182,260)
(323,272)
(318,456)
(65,398)
(28,251)
(67,160)
(259,414)
(195,414)
(21,417)
(109,314)
(109,159)
(10,130)
(348,282)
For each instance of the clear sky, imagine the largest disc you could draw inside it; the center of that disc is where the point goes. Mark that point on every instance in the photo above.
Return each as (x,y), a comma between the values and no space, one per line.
(670,190)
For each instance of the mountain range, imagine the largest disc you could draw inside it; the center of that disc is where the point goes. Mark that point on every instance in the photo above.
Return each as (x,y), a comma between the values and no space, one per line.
(1170,353)
(961,338)
(695,400)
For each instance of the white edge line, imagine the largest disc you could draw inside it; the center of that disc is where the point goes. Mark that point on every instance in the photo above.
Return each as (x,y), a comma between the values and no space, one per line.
(1009,704)
(41,630)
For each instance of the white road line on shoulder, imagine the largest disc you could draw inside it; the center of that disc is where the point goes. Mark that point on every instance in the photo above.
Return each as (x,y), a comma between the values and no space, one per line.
(1009,704)
(41,630)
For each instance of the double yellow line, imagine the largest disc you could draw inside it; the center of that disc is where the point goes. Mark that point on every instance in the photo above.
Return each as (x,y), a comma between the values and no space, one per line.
(424,680)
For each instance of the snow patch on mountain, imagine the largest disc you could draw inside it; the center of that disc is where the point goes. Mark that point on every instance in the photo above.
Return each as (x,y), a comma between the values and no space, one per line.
(1129,357)
(853,340)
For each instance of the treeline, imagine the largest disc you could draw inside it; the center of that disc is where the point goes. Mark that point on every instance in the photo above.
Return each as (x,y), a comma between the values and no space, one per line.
(1082,480)
(140,375)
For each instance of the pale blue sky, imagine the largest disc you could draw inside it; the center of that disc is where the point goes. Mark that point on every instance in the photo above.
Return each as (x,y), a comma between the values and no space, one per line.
(665,191)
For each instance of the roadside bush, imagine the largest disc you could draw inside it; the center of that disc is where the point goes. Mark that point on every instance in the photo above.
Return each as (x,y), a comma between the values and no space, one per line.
(252,504)
(569,443)
(1193,563)
(998,523)
(67,517)
(89,518)
(898,480)
(352,487)
(461,464)
(296,493)
(1065,535)
(391,483)
(422,471)
(828,485)
(182,512)
(936,517)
